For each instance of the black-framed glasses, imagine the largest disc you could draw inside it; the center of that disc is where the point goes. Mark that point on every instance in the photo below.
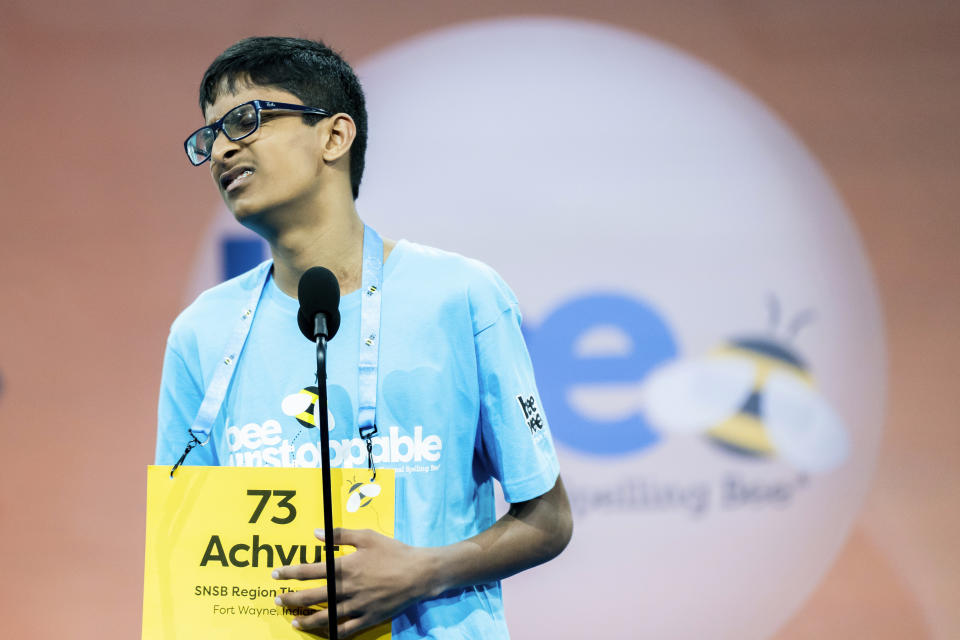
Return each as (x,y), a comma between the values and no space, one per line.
(237,124)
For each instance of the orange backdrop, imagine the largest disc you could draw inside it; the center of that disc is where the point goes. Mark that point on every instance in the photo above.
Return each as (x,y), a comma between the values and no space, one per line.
(102,216)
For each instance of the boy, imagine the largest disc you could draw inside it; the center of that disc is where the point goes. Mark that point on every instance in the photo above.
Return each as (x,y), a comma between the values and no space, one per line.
(452,383)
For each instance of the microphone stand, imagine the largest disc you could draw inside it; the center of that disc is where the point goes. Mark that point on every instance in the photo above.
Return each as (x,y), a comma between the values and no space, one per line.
(320,331)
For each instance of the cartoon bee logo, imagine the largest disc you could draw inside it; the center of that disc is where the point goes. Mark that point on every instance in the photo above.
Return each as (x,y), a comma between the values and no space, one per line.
(752,396)
(303,406)
(360,494)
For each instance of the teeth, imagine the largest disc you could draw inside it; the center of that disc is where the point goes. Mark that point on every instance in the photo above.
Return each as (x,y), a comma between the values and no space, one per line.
(241,176)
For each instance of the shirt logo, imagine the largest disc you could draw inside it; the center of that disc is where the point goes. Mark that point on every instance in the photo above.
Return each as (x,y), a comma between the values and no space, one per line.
(531,414)
(303,406)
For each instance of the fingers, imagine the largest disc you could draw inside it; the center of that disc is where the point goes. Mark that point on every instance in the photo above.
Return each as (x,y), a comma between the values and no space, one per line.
(319,622)
(304,598)
(352,626)
(314,571)
(351,537)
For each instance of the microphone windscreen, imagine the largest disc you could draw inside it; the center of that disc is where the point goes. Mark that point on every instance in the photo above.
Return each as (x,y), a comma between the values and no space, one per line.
(319,292)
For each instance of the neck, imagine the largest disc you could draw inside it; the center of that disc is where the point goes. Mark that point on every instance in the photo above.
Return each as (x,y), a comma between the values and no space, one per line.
(331,241)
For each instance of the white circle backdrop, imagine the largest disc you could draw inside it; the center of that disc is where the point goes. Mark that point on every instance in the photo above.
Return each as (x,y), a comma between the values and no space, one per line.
(579,159)
(646,210)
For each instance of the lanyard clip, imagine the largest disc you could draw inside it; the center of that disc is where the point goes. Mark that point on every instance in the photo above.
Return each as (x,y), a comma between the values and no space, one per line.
(190,445)
(367,432)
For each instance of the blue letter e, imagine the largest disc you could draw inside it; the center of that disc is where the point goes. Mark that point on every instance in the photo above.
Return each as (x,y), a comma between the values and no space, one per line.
(559,368)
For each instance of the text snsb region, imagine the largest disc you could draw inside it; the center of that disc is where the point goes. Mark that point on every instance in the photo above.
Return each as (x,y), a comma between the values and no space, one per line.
(250,593)
(256,445)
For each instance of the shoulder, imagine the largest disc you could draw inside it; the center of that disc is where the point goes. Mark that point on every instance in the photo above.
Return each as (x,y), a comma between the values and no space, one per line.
(215,308)
(453,275)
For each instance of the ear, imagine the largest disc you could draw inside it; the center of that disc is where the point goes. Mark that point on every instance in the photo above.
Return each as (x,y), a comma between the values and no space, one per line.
(341,132)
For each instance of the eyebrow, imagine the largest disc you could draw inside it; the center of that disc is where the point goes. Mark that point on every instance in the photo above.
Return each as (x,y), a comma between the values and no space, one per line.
(207,123)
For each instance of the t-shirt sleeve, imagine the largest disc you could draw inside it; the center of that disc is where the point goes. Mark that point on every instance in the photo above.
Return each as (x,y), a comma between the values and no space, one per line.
(514,434)
(180,398)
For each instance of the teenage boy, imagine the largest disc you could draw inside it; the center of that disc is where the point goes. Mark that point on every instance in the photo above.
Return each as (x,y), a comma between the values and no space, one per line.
(452,382)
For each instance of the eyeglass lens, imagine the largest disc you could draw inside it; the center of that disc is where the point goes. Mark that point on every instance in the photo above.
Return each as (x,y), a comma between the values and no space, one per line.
(239,122)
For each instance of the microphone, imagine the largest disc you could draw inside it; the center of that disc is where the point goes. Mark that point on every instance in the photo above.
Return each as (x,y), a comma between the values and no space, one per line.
(319,319)
(319,295)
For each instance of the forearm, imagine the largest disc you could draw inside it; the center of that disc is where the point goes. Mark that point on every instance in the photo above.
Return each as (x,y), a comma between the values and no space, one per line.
(384,576)
(529,534)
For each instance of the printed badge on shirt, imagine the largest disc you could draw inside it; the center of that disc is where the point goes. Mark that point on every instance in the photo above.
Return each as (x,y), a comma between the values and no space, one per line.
(531,415)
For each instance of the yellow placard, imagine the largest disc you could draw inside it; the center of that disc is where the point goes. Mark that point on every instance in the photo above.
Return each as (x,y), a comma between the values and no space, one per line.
(214,535)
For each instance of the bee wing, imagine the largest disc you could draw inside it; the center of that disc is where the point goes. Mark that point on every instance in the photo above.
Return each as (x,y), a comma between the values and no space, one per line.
(295,403)
(370,490)
(353,502)
(695,395)
(803,427)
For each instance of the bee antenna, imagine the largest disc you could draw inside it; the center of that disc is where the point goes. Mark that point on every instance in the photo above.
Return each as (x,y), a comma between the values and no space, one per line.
(773,307)
(802,319)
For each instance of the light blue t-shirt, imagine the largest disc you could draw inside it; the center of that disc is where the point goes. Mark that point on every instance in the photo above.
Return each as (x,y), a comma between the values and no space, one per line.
(457,406)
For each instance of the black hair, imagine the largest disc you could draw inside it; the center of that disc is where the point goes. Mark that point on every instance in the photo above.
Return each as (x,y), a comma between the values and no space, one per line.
(308,69)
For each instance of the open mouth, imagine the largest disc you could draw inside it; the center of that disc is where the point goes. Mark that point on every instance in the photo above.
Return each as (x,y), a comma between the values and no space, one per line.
(235,178)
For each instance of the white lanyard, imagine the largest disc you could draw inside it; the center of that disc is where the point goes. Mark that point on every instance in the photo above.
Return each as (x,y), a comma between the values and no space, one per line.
(371,282)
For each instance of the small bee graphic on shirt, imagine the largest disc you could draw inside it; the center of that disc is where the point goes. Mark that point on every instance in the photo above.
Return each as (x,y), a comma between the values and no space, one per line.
(303,406)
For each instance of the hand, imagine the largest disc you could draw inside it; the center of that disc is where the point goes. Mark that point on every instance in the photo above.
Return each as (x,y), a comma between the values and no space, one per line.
(376,582)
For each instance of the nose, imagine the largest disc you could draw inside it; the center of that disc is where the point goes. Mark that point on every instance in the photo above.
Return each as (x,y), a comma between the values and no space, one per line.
(222,149)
